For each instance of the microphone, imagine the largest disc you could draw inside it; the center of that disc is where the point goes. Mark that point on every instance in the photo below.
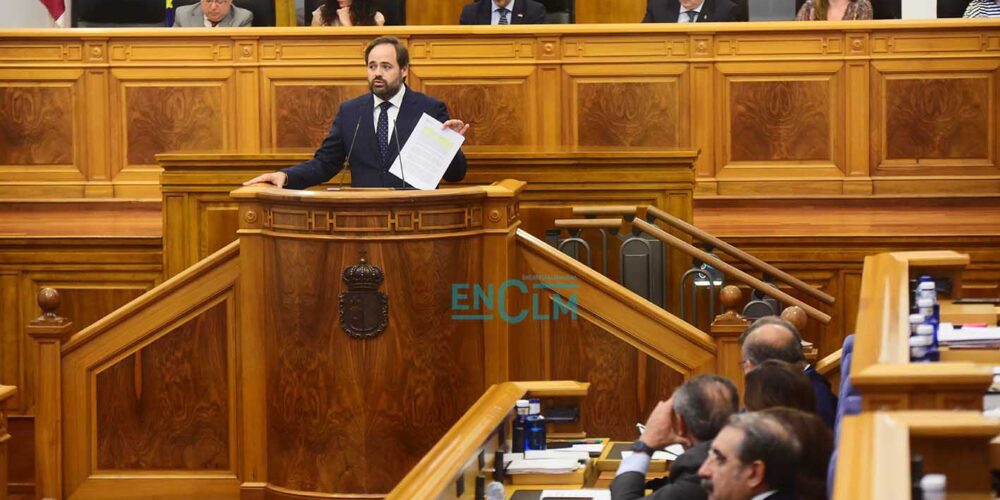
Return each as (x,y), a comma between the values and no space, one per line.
(347,162)
(399,152)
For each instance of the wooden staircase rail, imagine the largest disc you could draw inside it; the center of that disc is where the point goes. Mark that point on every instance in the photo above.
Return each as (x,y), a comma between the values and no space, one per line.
(758,264)
(621,312)
(444,463)
(730,270)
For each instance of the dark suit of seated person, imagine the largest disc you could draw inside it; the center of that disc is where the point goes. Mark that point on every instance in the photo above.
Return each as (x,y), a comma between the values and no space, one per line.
(693,416)
(369,130)
(212,14)
(771,337)
(498,12)
(690,11)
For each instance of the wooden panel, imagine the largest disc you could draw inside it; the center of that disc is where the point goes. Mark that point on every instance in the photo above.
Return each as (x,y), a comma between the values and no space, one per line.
(621,11)
(936,118)
(626,114)
(328,392)
(36,124)
(166,406)
(495,111)
(172,118)
(780,121)
(303,113)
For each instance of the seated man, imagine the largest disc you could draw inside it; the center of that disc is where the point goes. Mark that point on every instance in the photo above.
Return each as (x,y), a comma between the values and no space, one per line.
(753,457)
(690,11)
(212,14)
(503,12)
(771,337)
(692,417)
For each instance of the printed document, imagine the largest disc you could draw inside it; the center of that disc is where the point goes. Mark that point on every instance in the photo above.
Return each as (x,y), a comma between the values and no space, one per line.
(427,153)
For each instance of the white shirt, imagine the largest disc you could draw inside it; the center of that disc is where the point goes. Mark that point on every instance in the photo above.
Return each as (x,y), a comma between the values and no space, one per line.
(393,111)
(208,24)
(495,16)
(682,16)
(764,495)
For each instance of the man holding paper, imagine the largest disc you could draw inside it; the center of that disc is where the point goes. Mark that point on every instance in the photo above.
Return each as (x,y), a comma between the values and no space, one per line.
(370,130)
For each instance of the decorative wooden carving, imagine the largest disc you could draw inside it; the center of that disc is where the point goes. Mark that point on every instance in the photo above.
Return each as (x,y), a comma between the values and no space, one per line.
(780,120)
(172,118)
(938,118)
(364,311)
(303,113)
(495,111)
(166,406)
(628,114)
(36,125)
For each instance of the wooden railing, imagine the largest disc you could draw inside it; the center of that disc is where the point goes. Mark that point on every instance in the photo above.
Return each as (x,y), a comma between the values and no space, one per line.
(65,448)
(453,458)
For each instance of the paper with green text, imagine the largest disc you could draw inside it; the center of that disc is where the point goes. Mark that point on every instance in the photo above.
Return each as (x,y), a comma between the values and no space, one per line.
(427,153)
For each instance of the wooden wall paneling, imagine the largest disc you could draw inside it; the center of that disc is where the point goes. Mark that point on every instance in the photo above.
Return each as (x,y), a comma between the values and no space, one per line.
(500,103)
(776,127)
(439,12)
(937,115)
(12,346)
(298,104)
(42,132)
(703,105)
(248,101)
(608,105)
(550,90)
(857,144)
(161,110)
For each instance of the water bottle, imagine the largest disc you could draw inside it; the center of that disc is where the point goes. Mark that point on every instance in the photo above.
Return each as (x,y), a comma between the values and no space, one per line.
(535,431)
(920,347)
(520,434)
(927,289)
(915,321)
(494,491)
(933,486)
(926,308)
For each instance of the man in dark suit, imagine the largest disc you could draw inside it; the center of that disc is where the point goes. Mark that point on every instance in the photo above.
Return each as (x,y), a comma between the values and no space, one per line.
(753,457)
(690,11)
(692,417)
(503,12)
(771,337)
(369,130)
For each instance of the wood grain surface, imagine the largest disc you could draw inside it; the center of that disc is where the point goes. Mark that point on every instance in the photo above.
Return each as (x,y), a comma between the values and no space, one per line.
(36,124)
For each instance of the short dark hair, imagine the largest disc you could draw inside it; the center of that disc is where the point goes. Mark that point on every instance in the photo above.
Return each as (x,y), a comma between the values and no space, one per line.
(757,352)
(402,55)
(775,383)
(816,442)
(766,438)
(705,403)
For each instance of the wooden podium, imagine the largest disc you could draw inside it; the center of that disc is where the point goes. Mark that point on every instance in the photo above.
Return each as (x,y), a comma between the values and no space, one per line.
(352,366)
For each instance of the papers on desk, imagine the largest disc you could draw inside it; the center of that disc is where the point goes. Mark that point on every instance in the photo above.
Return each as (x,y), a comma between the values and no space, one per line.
(560,453)
(582,494)
(670,453)
(427,153)
(968,336)
(543,466)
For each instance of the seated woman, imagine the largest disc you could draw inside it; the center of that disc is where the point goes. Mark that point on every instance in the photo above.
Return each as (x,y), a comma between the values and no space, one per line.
(983,8)
(777,383)
(347,13)
(817,447)
(835,10)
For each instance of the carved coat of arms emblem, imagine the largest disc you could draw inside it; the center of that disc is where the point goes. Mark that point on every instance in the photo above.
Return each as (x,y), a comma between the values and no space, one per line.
(364,311)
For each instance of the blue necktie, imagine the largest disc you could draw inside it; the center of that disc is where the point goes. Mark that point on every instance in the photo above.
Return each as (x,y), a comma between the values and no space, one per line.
(382,131)
(692,16)
(503,16)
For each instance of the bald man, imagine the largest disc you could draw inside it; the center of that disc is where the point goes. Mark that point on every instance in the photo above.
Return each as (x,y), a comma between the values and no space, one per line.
(771,337)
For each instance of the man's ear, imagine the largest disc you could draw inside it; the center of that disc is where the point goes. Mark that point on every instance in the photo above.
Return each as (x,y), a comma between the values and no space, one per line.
(404,72)
(755,477)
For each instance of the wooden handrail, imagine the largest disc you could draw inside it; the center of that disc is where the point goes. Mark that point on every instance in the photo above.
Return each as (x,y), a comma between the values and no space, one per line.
(728,269)
(588,223)
(126,311)
(619,210)
(7,392)
(444,463)
(829,363)
(760,265)
(620,311)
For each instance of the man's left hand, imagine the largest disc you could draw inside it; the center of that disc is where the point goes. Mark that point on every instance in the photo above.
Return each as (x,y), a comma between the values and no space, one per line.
(457,125)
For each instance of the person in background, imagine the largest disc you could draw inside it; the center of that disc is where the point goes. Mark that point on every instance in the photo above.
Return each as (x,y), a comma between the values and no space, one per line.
(775,383)
(347,13)
(499,12)
(690,11)
(212,14)
(817,447)
(982,8)
(835,10)
(754,457)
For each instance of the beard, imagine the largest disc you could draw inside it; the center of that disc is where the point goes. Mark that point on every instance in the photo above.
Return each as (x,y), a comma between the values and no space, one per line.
(706,484)
(388,89)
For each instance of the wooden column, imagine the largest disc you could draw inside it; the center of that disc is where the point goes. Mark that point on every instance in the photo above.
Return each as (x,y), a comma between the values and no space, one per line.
(6,392)
(48,330)
(726,330)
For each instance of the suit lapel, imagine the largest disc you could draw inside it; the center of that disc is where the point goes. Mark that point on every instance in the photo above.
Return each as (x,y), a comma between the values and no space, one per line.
(367,130)
(406,120)
(485,12)
(673,10)
(707,12)
(520,9)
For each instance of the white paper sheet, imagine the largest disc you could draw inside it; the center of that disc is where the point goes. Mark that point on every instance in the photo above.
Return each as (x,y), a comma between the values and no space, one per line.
(589,494)
(427,153)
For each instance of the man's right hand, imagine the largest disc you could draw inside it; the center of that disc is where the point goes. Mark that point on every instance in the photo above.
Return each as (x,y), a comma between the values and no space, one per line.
(277,178)
(660,427)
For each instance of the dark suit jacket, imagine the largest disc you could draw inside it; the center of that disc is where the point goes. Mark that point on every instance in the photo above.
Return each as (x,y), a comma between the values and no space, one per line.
(525,12)
(826,402)
(356,115)
(666,11)
(682,484)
